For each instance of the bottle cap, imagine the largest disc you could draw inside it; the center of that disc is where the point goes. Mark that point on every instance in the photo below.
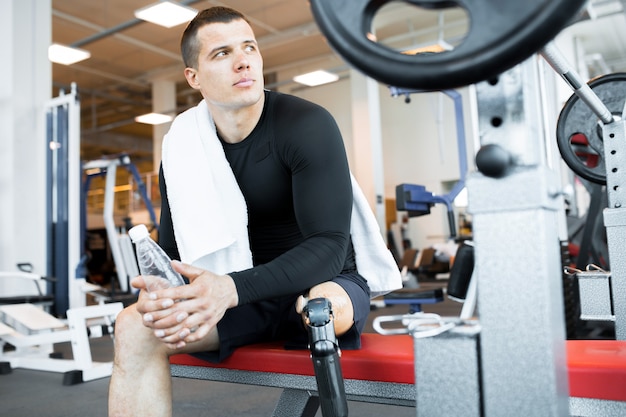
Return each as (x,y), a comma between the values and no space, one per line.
(138,232)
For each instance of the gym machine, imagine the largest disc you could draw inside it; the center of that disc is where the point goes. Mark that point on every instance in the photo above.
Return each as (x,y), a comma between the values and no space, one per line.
(511,362)
(119,243)
(63,200)
(31,331)
(602,143)
(415,199)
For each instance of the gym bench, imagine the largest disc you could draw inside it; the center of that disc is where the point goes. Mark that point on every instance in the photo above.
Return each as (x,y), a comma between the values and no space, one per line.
(383,372)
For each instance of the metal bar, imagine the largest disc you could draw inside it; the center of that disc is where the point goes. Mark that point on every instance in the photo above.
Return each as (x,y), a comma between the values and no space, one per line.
(61,273)
(50,153)
(74,246)
(557,61)
(109,223)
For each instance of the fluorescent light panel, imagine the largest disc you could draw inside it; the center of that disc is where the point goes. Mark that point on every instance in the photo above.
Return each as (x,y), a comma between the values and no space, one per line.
(440,46)
(315,78)
(166,13)
(66,55)
(153,118)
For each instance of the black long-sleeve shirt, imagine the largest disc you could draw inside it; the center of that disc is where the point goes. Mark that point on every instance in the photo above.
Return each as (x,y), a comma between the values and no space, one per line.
(293,173)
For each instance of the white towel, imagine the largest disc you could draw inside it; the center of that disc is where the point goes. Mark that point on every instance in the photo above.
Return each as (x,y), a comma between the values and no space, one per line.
(374,261)
(208,209)
(210,214)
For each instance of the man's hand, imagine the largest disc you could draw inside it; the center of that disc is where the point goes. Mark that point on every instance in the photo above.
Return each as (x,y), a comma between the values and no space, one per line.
(198,308)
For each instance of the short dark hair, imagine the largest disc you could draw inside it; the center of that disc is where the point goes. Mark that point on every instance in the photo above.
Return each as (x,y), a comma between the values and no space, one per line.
(189,45)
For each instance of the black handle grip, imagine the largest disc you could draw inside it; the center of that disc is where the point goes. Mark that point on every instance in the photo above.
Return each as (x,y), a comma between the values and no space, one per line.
(461,272)
(451,223)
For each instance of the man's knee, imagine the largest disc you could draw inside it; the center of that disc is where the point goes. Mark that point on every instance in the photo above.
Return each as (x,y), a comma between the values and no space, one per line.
(127,320)
(131,336)
(343,310)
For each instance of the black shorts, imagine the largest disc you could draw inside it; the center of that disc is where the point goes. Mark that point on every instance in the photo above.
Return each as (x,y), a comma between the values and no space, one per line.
(277,319)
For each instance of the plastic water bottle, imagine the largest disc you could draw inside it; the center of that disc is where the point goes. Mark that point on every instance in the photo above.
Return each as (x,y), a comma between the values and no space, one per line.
(153,261)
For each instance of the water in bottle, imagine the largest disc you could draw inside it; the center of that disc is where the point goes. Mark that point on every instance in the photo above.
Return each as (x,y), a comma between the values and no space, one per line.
(154,264)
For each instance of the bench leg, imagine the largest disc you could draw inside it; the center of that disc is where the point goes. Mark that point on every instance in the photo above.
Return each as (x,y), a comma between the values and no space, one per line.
(296,403)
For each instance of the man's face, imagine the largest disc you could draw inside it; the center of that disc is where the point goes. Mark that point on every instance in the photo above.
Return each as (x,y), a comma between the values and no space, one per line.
(229,72)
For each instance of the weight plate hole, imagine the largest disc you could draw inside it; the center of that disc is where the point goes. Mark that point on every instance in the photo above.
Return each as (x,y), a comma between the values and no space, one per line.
(585,153)
(450,27)
(615,188)
(614,170)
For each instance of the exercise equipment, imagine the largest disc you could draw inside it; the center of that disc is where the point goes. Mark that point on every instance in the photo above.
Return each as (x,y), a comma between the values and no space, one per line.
(517,208)
(595,293)
(578,133)
(514,190)
(460,286)
(414,298)
(517,362)
(66,196)
(383,372)
(516,212)
(25,272)
(613,132)
(586,247)
(119,243)
(496,209)
(501,35)
(29,329)
(587,234)
(32,333)
(415,199)
(63,201)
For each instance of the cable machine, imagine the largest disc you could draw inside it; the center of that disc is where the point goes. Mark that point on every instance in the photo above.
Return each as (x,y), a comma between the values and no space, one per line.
(28,328)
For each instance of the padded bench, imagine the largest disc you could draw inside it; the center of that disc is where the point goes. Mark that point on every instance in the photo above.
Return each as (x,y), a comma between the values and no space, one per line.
(383,372)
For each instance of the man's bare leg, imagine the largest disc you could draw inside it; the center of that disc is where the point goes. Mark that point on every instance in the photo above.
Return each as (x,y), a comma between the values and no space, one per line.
(343,311)
(141,381)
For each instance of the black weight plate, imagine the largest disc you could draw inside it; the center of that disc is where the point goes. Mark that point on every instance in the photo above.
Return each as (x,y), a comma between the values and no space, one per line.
(502,33)
(579,131)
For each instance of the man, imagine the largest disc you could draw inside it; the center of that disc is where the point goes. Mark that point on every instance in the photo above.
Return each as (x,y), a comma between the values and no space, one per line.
(288,159)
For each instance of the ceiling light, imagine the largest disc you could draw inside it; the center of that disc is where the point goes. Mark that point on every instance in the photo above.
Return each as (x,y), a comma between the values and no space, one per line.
(440,46)
(153,118)
(66,55)
(166,13)
(316,78)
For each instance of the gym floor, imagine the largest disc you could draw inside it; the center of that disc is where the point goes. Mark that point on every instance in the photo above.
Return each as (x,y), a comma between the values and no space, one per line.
(26,393)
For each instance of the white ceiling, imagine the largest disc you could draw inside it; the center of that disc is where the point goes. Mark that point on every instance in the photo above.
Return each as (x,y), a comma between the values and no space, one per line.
(126,54)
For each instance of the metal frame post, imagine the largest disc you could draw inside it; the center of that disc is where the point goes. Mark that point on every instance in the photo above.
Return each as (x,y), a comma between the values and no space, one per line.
(63,198)
(517,251)
(614,136)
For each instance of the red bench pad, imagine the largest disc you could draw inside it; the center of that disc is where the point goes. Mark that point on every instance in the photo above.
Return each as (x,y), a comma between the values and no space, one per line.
(596,368)
(381,358)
